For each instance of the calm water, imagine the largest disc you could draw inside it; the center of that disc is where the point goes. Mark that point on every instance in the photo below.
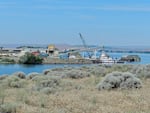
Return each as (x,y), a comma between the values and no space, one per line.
(11,68)
(145,57)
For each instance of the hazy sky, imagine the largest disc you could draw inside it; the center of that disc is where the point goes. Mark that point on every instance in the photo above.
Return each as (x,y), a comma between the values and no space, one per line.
(101,22)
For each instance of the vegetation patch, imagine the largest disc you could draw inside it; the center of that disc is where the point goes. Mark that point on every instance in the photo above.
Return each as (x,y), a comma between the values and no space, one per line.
(13,82)
(47,85)
(72,90)
(120,80)
(7,60)
(2,77)
(21,75)
(8,108)
(29,58)
(76,74)
(32,75)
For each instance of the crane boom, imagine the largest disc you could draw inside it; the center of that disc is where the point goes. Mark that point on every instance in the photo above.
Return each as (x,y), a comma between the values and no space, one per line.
(84,44)
(83,41)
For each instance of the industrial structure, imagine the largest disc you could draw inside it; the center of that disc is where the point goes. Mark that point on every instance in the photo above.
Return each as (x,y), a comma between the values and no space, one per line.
(94,54)
(85,46)
(52,50)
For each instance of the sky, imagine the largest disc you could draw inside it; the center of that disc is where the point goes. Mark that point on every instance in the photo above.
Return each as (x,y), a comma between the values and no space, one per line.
(101,22)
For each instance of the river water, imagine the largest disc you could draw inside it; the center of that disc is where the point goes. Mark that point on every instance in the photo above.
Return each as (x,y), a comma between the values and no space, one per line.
(145,57)
(12,68)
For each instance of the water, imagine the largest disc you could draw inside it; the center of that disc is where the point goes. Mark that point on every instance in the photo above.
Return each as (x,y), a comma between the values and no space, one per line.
(12,68)
(145,57)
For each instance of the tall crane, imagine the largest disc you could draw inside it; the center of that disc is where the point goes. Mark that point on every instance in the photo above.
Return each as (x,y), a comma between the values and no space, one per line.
(84,44)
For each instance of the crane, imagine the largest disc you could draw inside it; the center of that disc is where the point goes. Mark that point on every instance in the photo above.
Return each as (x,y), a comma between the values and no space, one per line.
(84,44)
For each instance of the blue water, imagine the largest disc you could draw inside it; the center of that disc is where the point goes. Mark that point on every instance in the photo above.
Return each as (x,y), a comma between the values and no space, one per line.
(11,68)
(145,57)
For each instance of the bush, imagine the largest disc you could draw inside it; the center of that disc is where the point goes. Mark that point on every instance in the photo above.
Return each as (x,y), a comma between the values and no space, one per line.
(138,69)
(45,72)
(13,82)
(47,90)
(47,84)
(7,60)
(119,80)
(75,74)
(56,74)
(142,71)
(16,84)
(120,68)
(32,75)
(2,95)
(21,75)
(23,96)
(98,71)
(11,79)
(147,75)
(39,78)
(8,108)
(146,72)
(3,77)
(29,58)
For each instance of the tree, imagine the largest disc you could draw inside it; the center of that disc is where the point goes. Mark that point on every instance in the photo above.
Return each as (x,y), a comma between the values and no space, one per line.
(29,58)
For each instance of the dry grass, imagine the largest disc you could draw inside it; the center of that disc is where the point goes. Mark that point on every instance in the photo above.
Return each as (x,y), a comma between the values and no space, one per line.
(80,96)
(76,95)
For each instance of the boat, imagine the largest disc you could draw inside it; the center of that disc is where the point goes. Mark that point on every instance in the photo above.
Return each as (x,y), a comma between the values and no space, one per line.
(106,59)
(131,58)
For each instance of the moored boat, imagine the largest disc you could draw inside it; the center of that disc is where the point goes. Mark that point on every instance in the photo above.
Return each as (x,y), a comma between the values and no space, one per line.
(106,59)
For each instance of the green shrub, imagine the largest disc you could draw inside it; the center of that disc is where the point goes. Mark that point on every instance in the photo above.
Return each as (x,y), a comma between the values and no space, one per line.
(29,58)
(7,60)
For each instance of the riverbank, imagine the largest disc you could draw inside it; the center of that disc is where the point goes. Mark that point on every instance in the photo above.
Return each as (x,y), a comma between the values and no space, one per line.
(15,60)
(75,90)
(66,61)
